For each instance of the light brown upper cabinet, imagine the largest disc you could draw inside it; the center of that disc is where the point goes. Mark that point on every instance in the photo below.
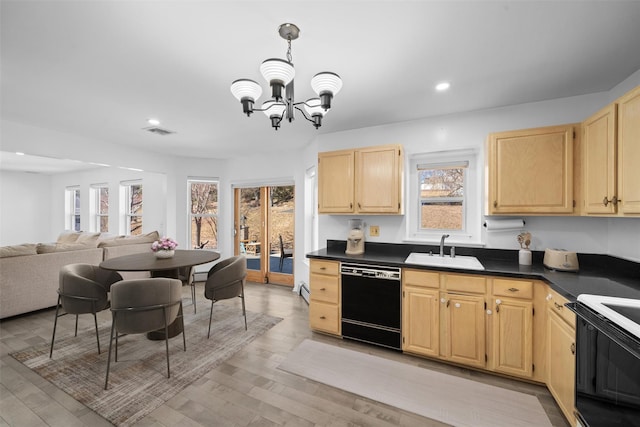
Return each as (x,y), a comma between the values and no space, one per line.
(629,152)
(363,181)
(611,154)
(599,161)
(530,171)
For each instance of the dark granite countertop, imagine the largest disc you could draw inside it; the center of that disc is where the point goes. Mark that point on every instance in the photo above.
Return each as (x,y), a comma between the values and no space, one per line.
(599,274)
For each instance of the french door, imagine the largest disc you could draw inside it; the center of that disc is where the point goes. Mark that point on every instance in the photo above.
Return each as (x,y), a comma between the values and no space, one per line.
(264,232)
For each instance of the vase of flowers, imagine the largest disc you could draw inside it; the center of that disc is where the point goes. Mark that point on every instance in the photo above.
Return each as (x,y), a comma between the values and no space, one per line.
(164,248)
(524,255)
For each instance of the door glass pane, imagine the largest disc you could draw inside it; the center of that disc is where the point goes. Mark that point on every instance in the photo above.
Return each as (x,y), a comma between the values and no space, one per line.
(250,226)
(281,216)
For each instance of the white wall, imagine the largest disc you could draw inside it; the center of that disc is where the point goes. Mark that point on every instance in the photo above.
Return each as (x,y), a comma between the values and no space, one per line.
(25,208)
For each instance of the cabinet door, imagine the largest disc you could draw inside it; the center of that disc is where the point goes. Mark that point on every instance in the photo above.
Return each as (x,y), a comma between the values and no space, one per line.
(629,152)
(420,321)
(561,365)
(599,165)
(378,179)
(336,182)
(465,329)
(513,336)
(531,171)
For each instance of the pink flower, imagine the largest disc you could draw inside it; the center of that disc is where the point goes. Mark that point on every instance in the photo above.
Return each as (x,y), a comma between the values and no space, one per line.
(164,244)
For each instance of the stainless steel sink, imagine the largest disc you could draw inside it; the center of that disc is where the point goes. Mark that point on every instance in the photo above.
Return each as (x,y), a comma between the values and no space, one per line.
(462,262)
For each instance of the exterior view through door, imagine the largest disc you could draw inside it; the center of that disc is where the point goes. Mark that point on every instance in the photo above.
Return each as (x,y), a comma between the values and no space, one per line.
(264,232)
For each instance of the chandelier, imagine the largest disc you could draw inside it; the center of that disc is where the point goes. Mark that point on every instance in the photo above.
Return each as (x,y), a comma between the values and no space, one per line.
(280,73)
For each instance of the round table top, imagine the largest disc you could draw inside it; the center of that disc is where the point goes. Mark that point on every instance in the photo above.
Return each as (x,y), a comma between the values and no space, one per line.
(147,261)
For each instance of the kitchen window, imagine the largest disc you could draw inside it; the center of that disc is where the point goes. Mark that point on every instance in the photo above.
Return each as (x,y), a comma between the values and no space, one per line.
(444,197)
(131,192)
(203,213)
(72,203)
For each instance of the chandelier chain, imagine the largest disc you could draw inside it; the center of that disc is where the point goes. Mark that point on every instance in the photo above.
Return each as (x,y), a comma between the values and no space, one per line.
(289,57)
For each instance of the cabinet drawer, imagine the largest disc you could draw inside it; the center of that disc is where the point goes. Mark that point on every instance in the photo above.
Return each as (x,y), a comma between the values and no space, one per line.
(324,317)
(460,283)
(513,288)
(426,279)
(325,267)
(556,302)
(324,288)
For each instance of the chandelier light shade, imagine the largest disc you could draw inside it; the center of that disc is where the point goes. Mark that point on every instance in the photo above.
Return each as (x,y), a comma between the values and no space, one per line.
(326,85)
(279,74)
(315,111)
(275,111)
(247,92)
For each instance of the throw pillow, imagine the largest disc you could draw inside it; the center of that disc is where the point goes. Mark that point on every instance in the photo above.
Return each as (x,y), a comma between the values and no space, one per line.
(18,250)
(68,236)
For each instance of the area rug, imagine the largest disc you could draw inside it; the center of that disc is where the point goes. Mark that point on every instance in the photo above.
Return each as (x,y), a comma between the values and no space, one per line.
(138,382)
(446,398)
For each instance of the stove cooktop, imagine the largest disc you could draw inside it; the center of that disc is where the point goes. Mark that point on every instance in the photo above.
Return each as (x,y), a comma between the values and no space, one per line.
(624,312)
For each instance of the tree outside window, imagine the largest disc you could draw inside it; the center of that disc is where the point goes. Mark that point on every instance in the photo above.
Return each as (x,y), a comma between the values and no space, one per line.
(133,213)
(442,197)
(203,201)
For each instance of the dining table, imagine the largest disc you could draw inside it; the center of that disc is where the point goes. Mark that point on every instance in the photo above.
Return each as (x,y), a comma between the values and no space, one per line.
(161,267)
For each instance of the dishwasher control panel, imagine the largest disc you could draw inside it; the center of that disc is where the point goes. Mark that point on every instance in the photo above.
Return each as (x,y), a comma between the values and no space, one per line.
(372,271)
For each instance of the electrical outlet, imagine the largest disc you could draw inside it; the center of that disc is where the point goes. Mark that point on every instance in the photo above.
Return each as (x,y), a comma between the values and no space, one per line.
(374,231)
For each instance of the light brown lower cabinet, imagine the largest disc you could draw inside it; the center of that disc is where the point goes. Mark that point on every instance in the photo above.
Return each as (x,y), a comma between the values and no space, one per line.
(464,324)
(324,302)
(561,363)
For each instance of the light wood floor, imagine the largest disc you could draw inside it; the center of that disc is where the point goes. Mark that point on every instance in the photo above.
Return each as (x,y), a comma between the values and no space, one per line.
(246,390)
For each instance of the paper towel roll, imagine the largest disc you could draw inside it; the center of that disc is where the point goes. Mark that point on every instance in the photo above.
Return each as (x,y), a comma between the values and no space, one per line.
(496,224)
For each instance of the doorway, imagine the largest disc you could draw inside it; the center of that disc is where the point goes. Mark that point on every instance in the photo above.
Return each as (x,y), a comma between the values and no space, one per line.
(264,232)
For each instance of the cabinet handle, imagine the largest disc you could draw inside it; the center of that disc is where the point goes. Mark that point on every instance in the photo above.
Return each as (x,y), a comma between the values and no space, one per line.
(558,306)
(350,205)
(322,317)
(448,302)
(323,289)
(323,268)
(497,308)
(514,290)
(359,207)
(573,348)
(549,297)
(614,200)
(457,305)
(495,203)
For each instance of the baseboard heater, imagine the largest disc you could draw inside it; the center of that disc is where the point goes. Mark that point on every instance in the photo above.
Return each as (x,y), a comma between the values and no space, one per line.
(304,292)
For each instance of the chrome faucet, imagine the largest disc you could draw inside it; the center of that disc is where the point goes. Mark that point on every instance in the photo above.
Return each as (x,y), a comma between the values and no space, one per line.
(444,236)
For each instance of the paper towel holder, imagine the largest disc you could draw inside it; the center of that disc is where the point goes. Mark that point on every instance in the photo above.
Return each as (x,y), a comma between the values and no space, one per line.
(507,224)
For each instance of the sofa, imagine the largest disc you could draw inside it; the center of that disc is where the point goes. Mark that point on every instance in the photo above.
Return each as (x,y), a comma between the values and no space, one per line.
(29,272)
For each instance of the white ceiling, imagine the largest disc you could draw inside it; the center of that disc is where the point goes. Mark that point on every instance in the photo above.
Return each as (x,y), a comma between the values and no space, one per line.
(99,69)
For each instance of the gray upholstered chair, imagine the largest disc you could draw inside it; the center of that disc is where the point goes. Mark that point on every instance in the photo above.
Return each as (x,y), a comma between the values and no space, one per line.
(139,306)
(226,280)
(83,289)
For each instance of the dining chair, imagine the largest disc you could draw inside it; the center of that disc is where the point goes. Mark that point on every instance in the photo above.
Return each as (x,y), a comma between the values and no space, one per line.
(284,253)
(139,306)
(83,289)
(226,280)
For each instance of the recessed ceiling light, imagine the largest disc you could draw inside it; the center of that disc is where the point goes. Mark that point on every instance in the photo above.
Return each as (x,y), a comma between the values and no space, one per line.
(19,153)
(153,122)
(441,87)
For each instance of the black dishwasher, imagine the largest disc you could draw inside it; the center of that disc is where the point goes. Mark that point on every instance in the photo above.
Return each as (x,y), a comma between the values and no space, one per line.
(371,304)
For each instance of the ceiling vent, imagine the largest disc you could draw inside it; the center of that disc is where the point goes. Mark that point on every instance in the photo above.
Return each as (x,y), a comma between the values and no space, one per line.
(158,130)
